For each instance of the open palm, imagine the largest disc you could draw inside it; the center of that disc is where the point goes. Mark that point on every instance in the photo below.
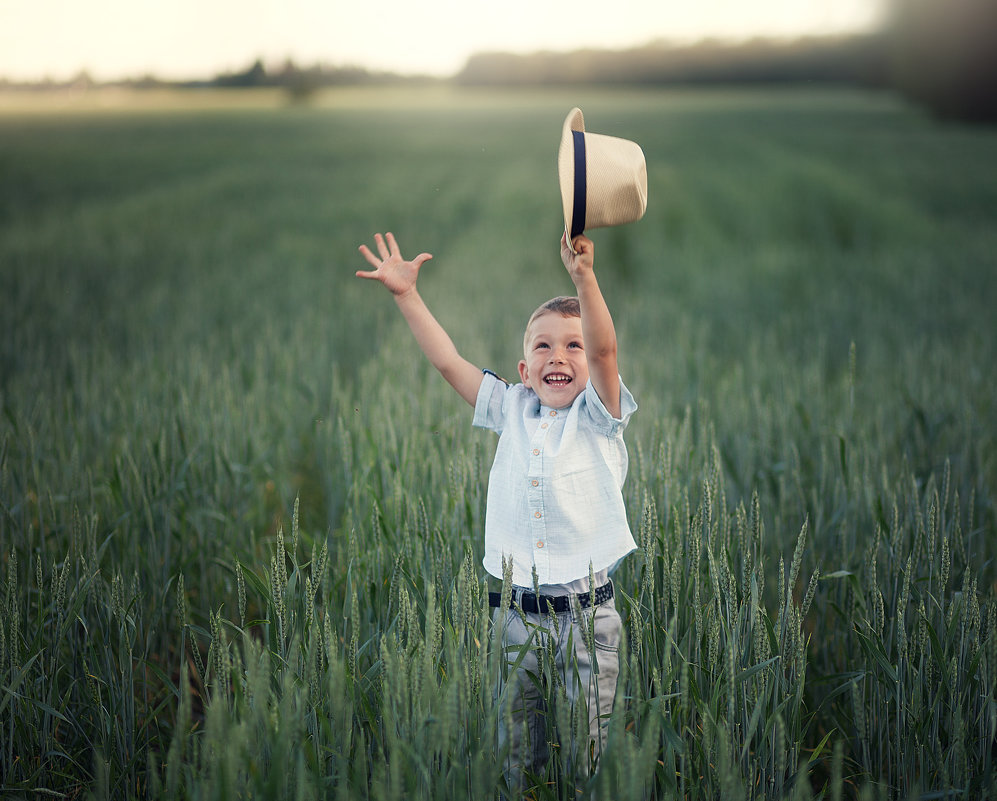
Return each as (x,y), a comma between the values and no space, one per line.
(397,275)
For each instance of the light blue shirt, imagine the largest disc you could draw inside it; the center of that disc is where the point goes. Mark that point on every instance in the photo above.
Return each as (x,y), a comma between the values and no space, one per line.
(555,496)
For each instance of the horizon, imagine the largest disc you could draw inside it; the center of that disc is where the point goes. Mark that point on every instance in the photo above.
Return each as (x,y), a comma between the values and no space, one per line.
(185,41)
(275,69)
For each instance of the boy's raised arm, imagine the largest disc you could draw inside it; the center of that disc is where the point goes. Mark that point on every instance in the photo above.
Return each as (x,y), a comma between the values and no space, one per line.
(598,331)
(399,277)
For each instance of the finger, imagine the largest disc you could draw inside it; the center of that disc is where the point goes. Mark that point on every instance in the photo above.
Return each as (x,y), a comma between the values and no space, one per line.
(393,245)
(367,274)
(581,244)
(421,258)
(371,258)
(381,247)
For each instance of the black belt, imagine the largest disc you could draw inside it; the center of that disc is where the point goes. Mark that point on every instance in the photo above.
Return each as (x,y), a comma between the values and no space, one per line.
(529,602)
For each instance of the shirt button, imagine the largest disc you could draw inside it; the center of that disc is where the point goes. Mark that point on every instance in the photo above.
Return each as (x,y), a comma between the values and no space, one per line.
(553,413)
(540,544)
(535,483)
(537,515)
(536,451)
(543,425)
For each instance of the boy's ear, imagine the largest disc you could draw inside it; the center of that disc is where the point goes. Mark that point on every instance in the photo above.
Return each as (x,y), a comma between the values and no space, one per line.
(524,373)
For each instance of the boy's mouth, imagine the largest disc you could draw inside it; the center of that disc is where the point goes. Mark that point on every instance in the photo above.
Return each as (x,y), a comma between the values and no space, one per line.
(557,380)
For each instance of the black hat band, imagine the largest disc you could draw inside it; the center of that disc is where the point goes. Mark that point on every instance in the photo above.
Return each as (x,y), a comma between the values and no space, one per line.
(578,207)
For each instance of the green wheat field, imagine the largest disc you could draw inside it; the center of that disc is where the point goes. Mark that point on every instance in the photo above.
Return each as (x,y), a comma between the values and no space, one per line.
(241,518)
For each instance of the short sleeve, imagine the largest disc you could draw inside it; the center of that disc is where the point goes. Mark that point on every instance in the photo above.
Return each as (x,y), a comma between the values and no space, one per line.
(489,405)
(599,416)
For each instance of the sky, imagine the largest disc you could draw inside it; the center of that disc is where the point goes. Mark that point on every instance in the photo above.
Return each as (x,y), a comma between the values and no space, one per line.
(182,39)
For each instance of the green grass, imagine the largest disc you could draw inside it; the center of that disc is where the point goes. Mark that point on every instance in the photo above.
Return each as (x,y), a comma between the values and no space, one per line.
(240,517)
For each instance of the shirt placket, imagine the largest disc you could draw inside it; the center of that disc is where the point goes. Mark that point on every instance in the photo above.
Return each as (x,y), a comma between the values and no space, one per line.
(535,493)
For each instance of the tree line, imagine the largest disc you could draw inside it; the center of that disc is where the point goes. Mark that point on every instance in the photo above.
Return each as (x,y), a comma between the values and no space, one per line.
(852,60)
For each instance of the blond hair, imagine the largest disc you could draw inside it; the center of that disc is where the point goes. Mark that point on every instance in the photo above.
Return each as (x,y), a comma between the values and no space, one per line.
(565,305)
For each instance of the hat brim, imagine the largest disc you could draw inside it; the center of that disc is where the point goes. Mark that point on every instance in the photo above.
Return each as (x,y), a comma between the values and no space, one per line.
(575,121)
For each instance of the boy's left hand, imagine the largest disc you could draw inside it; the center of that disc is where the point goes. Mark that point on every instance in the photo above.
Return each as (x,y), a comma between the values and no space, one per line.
(578,255)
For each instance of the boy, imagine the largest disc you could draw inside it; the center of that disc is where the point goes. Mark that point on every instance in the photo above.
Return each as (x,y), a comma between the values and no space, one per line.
(554,493)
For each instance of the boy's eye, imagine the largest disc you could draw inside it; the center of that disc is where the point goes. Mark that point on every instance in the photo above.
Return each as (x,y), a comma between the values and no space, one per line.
(574,344)
(542,345)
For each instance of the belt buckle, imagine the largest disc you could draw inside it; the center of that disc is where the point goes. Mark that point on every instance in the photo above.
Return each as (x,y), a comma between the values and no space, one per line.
(528,601)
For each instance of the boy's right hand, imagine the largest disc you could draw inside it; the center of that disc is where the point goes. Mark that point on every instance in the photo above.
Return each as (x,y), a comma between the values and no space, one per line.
(397,275)
(578,256)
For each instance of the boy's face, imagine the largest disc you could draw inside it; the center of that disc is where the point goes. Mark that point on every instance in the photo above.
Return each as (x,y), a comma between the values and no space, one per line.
(555,366)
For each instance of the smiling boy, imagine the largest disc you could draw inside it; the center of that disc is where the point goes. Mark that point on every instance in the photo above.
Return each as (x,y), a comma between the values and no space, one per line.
(555,506)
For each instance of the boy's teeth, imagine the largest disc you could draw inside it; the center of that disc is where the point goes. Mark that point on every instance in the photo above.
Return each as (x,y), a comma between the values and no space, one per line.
(557,379)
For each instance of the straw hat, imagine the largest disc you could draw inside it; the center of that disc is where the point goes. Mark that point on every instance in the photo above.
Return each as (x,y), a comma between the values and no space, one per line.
(603,179)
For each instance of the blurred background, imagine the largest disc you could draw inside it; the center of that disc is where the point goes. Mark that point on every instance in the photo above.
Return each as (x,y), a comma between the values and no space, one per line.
(942,55)
(215,440)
